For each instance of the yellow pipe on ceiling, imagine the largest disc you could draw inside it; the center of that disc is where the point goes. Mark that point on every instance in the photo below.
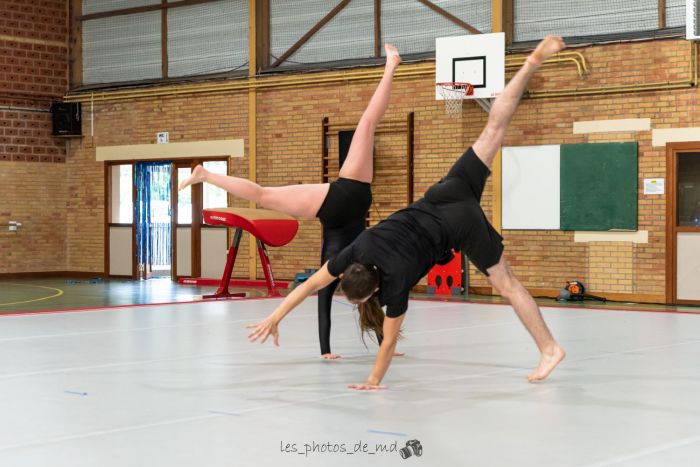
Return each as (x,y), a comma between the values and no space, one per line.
(689,82)
(406,71)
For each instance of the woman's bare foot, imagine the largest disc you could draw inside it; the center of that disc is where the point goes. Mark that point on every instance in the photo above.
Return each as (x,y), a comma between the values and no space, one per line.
(548,361)
(545,49)
(199,174)
(392,55)
(330,356)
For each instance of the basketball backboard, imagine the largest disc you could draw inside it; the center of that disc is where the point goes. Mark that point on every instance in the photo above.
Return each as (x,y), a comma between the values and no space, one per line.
(478,59)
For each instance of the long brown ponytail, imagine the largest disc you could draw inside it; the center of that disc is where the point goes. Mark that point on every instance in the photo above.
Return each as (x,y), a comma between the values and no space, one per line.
(358,282)
(371,318)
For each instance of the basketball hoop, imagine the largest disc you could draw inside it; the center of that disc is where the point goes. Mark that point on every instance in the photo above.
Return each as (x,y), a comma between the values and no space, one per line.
(453,94)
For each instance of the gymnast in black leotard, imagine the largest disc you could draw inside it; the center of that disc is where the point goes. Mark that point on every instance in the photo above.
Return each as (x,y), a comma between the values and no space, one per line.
(385,262)
(343,216)
(341,206)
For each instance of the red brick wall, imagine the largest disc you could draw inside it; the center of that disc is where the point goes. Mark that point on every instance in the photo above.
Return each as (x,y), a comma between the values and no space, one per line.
(289,151)
(206,117)
(33,73)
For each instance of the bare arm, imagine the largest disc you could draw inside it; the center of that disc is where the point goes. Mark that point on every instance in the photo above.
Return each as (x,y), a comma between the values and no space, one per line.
(268,326)
(392,327)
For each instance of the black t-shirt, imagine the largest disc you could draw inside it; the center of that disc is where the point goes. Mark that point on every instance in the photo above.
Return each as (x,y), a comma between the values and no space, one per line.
(403,247)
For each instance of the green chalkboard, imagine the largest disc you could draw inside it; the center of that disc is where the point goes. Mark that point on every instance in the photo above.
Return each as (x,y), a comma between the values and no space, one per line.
(599,186)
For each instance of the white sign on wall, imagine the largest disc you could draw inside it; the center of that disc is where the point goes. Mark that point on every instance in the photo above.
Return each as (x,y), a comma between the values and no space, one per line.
(654,186)
(162,137)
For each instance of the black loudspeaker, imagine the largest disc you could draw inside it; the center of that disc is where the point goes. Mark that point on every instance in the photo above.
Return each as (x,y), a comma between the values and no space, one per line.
(344,140)
(65,117)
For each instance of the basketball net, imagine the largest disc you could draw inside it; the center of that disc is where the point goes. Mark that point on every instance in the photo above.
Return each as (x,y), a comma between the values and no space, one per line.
(453,95)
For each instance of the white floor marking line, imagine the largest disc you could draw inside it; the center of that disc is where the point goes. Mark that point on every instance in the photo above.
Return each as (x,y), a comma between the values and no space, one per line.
(59,314)
(349,393)
(639,349)
(115,331)
(647,452)
(477,326)
(298,346)
(507,370)
(201,324)
(172,422)
(191,357)
(92,434)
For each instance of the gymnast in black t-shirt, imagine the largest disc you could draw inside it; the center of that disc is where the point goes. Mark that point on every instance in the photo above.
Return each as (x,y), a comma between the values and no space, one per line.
(341,206)
(401,249)
(382,265)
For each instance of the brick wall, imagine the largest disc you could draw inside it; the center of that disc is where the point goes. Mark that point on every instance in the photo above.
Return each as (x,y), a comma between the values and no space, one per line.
(289,151)
(206,117)
(33,73)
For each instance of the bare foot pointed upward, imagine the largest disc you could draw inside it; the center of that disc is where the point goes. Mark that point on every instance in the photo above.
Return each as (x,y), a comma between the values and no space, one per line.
(549,360)
(546,48)
(198,175)
(392,55)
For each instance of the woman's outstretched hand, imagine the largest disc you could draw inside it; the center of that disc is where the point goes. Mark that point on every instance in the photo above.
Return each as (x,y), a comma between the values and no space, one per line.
(366,387)
(263,330)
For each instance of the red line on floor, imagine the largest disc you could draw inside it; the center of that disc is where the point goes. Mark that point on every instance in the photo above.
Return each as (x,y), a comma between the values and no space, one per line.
(443,300)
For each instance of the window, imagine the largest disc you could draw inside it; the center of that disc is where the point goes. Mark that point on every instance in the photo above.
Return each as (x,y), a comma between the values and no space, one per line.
(689,189)
(215,197)
(536,18)
(126,41)
(122,48)
(207,38)
(122,194)
(184,198)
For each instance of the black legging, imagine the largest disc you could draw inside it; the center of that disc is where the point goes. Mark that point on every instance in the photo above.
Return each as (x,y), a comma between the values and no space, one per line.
(334,240)
(343,215)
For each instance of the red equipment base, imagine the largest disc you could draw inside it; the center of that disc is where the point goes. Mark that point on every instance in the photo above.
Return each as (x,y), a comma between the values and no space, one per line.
(448,277)
(201,281)
(268,227)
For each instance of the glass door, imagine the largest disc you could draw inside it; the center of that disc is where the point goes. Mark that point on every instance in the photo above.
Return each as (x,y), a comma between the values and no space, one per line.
(153,219)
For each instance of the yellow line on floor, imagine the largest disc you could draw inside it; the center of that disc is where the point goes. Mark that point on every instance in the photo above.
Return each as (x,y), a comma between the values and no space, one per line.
(58,293)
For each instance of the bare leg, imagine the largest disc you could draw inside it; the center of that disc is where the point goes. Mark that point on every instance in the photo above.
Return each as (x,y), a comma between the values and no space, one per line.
(358,164)
(502,278)
(296,200)
(488,143)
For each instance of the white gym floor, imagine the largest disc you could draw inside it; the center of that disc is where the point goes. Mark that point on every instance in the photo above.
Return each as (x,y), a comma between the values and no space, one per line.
(180,385)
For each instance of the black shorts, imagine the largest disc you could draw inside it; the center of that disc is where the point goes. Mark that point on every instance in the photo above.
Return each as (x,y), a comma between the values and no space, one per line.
(343,215)
(457,198)
(346,203)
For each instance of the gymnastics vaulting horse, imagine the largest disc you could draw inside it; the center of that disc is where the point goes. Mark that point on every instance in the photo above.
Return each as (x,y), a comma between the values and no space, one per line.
(268,227)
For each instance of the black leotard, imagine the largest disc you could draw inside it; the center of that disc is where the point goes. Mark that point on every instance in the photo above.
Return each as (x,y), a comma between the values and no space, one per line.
(343,216)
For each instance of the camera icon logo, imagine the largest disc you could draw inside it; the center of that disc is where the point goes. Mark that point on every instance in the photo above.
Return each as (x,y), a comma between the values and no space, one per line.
(413,447)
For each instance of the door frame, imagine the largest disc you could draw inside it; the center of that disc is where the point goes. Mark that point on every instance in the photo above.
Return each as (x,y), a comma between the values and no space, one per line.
(672,151)
(108,217)
(197,208)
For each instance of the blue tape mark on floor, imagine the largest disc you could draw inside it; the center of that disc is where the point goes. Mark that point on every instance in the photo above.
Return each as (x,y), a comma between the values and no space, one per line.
(392,433)
(77,393)
(230,414)
(344,303)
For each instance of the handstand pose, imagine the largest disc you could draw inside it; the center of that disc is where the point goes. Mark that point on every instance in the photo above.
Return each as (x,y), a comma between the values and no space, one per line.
(341,206)
(386,261)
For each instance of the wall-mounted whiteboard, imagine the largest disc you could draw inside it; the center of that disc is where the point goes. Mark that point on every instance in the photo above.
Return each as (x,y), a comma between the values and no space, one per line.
(531,187)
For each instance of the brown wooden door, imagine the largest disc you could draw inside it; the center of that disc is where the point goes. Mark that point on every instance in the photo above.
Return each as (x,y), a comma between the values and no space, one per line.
(683,223)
